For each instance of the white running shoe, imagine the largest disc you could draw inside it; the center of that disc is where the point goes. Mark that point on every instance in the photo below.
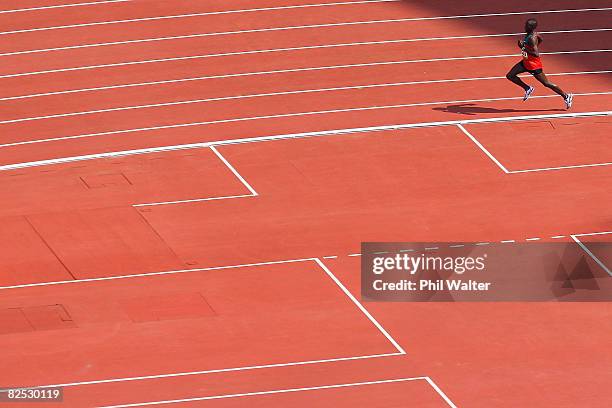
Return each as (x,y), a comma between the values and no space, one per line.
(528,93)
(568,100)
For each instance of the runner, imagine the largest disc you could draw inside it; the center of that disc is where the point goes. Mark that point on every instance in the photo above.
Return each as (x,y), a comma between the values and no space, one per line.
(532,63)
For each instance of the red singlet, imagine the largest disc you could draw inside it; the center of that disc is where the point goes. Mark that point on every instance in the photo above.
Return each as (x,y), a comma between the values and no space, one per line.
(530,62)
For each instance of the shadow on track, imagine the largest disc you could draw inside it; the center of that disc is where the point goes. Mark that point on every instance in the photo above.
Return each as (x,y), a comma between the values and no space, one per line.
(473,109)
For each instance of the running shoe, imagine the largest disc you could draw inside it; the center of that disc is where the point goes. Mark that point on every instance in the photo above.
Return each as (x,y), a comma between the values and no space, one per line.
(528,93)
(568,100)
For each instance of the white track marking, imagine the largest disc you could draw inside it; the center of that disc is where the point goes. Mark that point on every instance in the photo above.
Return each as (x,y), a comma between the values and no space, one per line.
(481,147)
(316,261)
(221,370)
(282,93)
(294,70)
(211,13)
(245,183)
(359,306)
(234,171)
(182,37)
(508,241)
(289,49)
(203,14)
(193,200)
(324,133)
(558,236)
(588,234)
(280,115)
(91,3)
(505,170)
(141,275)
(577,166)
(440,392)
(533,239)
(592,255)
(283,391)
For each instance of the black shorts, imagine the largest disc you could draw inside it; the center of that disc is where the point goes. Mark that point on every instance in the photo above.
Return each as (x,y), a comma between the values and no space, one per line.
(531,71)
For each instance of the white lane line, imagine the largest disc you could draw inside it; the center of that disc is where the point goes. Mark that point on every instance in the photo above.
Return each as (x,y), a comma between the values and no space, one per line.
(208,13)
(282,391)
(481,147)
(360,306)
(592,255)
(294,70)
(324,133)
(283,93)
(91,3)
(202,35)
(577,166)
(508,241)
(289,49)
(353,255)
(283,115)
(533,239)
(211,13)
(558,236)
(440,392)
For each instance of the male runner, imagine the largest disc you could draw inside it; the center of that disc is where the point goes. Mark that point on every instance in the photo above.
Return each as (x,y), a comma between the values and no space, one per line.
(532,63)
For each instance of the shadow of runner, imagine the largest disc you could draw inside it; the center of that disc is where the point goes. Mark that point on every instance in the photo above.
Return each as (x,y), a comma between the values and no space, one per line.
(473,109)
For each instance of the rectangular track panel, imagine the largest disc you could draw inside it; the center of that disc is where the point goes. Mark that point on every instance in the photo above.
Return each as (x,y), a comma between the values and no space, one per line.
(262,315)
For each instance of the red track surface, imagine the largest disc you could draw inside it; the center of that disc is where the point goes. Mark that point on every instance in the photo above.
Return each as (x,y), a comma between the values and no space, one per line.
(279,327)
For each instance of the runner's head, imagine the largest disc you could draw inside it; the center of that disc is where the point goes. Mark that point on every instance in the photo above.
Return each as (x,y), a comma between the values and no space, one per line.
(531,25)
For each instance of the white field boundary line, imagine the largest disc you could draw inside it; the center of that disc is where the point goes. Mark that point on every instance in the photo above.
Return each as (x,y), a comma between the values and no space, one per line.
(301,48)
(314,26)
(359,305)
(280,115)
(280,93)
(252,192)
(589,234)
(91,3)
(211,13)
(324,133)
(440,392)
(316,261)
(481,147)
(203,14)
(505,170)
(291,70)
(281,391)
(591,254)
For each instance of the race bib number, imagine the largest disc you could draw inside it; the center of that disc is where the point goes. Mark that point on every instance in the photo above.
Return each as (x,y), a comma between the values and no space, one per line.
(524,53)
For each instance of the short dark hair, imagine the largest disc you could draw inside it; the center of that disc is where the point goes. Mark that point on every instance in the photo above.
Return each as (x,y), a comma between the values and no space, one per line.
(532,23)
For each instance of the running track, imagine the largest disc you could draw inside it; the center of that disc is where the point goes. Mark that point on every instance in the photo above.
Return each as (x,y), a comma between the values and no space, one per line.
(186,185)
